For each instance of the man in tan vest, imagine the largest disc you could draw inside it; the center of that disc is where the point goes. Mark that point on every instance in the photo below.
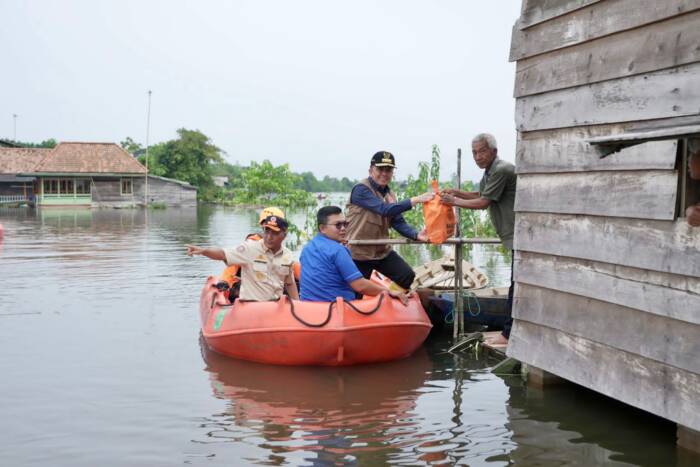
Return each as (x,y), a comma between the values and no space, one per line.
(372,210)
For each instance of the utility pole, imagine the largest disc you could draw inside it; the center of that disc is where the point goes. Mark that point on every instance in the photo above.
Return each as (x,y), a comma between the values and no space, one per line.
(14,134)
(148,131)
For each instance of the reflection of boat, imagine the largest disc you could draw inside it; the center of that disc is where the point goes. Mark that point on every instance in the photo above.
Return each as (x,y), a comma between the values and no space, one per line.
(312,399)
(290,332)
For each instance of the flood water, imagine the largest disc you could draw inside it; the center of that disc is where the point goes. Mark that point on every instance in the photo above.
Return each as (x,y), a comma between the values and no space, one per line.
(101,364)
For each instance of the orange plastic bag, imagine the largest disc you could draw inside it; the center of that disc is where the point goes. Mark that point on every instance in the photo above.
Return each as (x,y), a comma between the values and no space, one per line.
(439,218)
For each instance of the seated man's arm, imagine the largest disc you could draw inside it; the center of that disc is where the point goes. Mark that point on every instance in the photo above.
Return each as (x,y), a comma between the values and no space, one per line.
(366,287)
(693,215)
(353,277)
(291,286)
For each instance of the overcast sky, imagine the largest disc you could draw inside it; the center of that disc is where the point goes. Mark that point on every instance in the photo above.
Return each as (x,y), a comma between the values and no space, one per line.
(321,84)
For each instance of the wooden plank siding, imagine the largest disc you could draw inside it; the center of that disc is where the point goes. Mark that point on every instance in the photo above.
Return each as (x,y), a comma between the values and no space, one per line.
(567,151)
(656,387)
(669,295)
(651,336)
(537,11)
(596,20)
(672,247)
(632,52)
(607,276)
(636,194)
(661,94)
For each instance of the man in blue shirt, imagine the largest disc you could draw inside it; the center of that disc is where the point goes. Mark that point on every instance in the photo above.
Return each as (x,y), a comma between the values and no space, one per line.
(372,211)
(327,270)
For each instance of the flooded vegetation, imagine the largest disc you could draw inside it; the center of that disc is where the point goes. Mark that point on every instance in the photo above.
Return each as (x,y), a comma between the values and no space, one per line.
(102,364)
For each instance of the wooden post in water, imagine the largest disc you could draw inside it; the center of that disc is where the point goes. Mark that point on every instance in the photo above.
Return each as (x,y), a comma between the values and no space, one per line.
(458,323)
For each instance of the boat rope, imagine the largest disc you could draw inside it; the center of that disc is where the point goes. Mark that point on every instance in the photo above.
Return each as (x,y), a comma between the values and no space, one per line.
(213,299)
(469,296)
(372,311)
(450,315)
(330,312)
(311,325)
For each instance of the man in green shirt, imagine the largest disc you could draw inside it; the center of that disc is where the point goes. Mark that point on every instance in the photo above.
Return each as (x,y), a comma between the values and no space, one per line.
(497,193)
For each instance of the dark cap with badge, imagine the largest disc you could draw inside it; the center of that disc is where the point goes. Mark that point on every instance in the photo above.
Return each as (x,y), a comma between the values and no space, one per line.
(383,159)
(275,223)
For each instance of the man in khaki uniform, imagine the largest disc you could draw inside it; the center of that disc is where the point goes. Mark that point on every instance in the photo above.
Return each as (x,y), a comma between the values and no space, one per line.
(266,265)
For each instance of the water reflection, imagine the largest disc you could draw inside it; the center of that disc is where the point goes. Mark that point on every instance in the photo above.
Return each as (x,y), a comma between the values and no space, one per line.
(101,366)
(358,413)
(569,425)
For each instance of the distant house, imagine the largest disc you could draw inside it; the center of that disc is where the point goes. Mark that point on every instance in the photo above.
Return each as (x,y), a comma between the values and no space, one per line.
(220,181)
(15,161)
(89,174)
(83,173)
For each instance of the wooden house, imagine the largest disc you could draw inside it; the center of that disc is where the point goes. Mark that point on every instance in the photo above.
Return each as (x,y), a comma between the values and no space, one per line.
(607,270)
(14,161)
(86,174)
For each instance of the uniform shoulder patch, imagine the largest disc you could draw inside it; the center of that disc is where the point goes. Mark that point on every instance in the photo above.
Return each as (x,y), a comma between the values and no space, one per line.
(240,248)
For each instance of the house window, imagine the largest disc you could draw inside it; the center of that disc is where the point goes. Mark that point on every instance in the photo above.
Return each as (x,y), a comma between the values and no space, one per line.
(51,186)
(82,186)
(66,186)
(127,186)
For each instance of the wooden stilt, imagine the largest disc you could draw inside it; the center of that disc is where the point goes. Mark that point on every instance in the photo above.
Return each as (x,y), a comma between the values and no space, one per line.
(689,440)
(540,378)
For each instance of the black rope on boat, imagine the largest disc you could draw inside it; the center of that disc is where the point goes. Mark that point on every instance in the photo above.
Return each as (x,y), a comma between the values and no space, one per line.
(330,312)
(367,313)
(311,325)
(213,299)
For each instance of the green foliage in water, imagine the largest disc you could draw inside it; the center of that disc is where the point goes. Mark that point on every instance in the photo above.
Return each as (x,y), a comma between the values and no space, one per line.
(263,184)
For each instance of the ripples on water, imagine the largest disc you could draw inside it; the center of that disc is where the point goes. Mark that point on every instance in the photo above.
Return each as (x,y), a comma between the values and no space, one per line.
(101,365)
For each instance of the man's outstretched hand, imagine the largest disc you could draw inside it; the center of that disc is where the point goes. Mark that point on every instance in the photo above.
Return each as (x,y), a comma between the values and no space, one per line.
(194,250)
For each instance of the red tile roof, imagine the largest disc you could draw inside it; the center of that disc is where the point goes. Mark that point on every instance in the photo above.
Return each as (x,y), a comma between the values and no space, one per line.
(19,160)
(89,158)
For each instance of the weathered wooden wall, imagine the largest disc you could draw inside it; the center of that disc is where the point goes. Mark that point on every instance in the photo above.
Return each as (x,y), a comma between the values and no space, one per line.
(107,190)
(607,276)
(171,193)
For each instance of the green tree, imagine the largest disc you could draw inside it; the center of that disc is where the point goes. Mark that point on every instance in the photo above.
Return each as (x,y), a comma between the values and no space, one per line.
(131,146)
(263,182)
(47,143)
(189,158)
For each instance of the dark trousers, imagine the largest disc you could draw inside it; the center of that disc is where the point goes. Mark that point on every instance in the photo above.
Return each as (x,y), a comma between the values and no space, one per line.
(392,266)
(509,304)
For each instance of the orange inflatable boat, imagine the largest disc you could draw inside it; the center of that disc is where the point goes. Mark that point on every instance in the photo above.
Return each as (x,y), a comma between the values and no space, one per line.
(291,332)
